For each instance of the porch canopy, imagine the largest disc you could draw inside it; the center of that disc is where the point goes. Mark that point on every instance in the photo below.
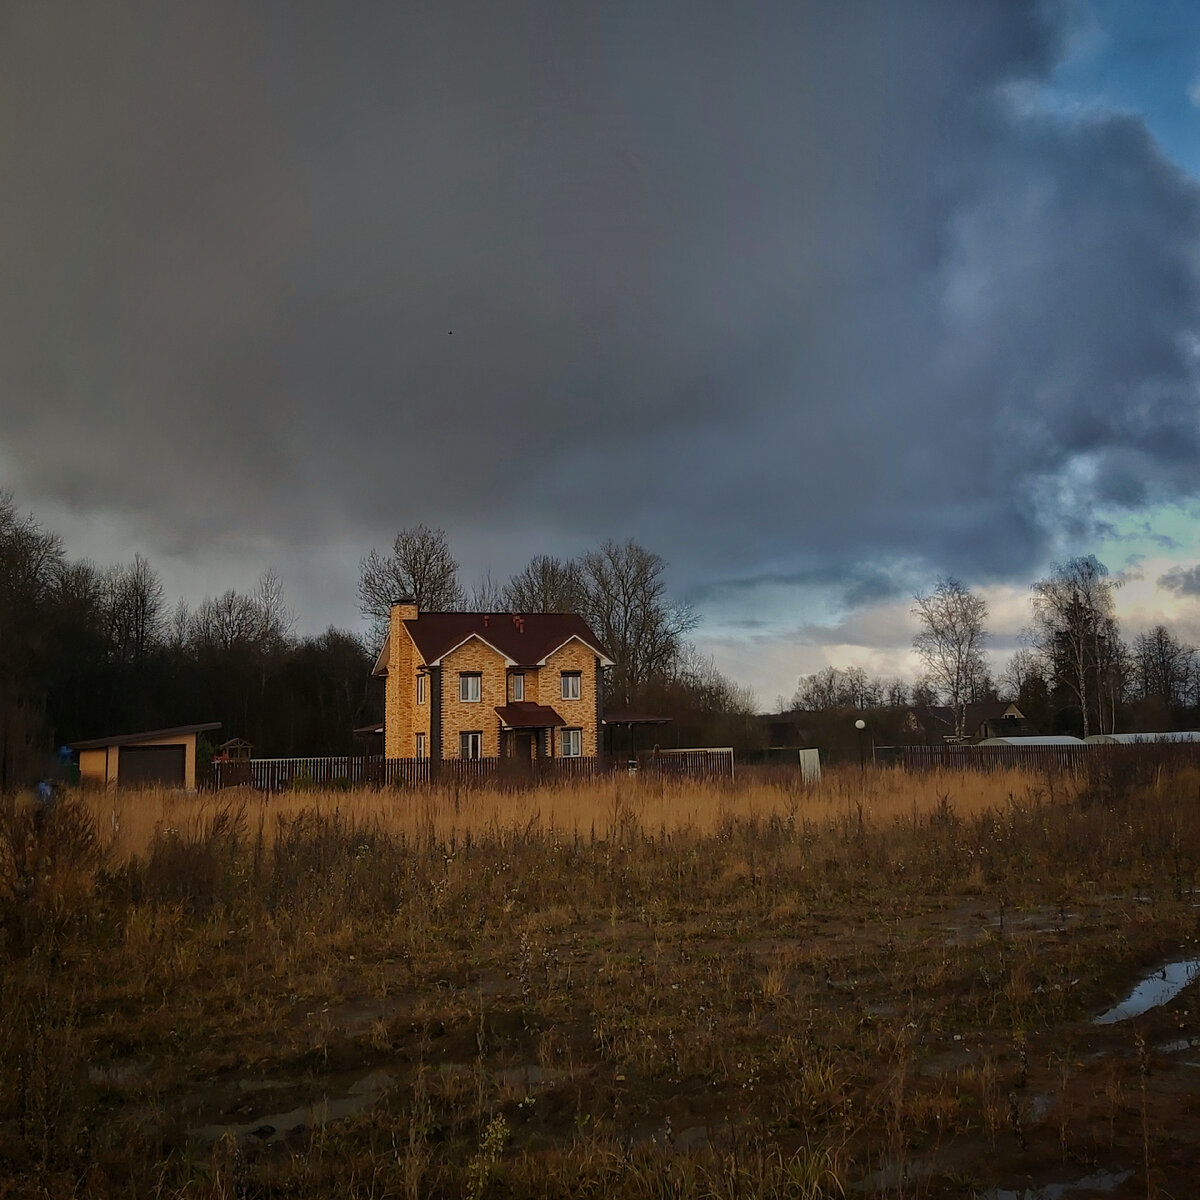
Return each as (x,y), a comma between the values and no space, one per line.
(525,714)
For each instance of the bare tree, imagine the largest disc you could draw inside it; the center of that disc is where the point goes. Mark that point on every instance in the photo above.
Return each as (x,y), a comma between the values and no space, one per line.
(951,642)
(860,690)
(133,608)
(226,623)
(276,619)
(1076,633)
(819,692)
(834,688)
(1164,667)
(628,609)
(178,625)
(420,568)
(1022,672)
(547,584)
(487,594)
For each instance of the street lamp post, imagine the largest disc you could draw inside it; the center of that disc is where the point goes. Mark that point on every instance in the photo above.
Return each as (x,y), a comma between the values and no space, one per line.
(861,725)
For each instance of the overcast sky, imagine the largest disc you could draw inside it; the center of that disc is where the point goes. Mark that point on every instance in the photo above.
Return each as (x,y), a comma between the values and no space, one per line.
(819,301)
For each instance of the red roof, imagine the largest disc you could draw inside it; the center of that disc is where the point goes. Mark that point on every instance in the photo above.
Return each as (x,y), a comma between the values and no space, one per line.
(526,715)
(527,639)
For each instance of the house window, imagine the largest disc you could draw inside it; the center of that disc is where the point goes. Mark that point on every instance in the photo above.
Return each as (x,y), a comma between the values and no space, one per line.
(420,745)
(470,745)
(421,689)
(570,685)
(518,688)
(469,688)
(572,741)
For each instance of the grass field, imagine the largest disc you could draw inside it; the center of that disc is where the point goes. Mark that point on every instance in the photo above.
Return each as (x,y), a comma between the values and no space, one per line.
(885,985)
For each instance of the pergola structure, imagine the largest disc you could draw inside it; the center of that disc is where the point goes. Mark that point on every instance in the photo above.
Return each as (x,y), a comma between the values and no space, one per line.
(623,718)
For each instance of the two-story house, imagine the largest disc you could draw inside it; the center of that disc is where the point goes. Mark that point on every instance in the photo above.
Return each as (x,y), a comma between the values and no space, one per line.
(484,685)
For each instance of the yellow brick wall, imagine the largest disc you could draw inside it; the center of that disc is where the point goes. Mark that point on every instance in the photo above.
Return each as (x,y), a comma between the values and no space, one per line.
(578,714)
(531,686)
(458,717)
(401,716)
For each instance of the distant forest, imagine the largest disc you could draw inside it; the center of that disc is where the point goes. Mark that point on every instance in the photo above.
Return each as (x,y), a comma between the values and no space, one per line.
(89,651)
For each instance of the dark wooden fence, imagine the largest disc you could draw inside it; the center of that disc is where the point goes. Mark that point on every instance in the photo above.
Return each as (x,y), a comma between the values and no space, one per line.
(1092,757)
(280,774)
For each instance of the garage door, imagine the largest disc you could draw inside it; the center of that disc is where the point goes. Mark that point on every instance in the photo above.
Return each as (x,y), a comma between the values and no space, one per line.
(151,764)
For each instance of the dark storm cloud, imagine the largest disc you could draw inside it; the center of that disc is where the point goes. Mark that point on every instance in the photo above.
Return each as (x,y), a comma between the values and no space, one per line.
(774,288)
(1183,581)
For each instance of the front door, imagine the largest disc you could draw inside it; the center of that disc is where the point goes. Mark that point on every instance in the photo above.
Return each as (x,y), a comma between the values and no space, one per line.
(524,746)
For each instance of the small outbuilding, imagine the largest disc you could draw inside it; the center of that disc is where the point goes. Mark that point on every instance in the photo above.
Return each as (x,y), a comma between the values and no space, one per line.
(166,757)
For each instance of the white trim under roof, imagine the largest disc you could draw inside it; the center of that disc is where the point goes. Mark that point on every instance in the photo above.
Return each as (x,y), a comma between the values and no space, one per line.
(605,661)
(383,660)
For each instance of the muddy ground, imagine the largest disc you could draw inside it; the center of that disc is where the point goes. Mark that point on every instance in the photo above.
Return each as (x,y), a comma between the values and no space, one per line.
(939,1010)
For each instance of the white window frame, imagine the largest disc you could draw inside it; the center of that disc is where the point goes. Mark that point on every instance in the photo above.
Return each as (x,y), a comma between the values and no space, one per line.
(571,741)
(470,741)
(518,686)
(421,745)
(421,678)
(465,680)
(574,678)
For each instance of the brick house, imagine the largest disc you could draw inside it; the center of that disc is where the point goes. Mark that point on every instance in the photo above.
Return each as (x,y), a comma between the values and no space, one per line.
(487,685)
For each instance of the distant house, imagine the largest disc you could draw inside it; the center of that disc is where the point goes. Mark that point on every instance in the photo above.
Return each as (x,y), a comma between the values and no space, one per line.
(935,724)
(486,685)
(163,757)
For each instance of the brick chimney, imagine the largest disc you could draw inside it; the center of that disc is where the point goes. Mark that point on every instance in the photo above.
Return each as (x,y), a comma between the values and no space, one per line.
(404,609)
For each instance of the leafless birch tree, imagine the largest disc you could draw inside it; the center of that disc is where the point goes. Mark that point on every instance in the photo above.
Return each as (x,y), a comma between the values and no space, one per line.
(951,642)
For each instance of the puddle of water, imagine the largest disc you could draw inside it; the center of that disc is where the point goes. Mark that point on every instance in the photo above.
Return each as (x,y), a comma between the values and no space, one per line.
(262,1085)
(893,1175)
(121,1073)
(275,1126)
(695,1136)
(1101,1181)
(529,1078)
(1157,988)
(1175,1046)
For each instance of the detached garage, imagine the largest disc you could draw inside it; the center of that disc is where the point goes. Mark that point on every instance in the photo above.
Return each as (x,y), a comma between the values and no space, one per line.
(160,757)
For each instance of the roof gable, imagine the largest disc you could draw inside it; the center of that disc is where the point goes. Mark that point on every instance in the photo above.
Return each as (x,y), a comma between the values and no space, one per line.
(524,639)
(604,659)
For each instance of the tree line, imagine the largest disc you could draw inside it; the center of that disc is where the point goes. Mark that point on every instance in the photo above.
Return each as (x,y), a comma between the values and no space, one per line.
(90,651)
(1073,674)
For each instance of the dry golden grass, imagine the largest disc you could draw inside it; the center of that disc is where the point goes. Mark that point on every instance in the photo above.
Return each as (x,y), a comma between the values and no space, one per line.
(130,820)
(621,989)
